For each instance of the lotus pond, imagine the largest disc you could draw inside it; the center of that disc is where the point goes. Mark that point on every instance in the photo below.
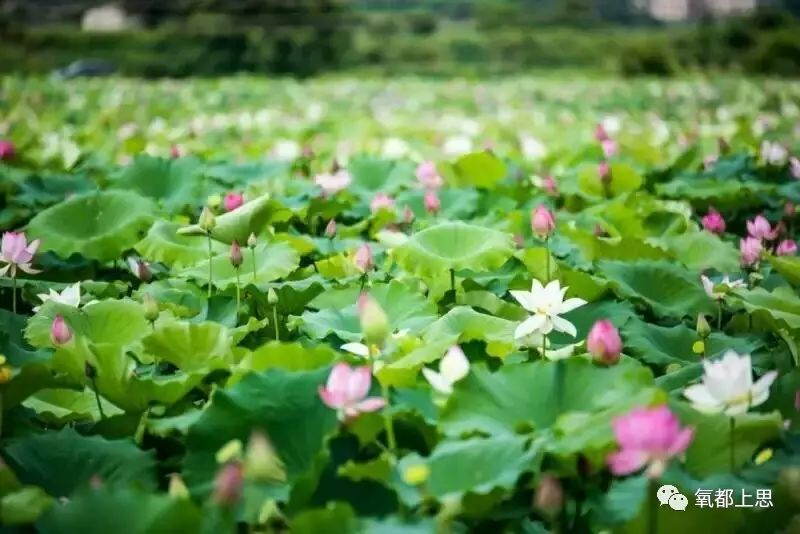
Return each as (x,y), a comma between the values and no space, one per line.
(399,306)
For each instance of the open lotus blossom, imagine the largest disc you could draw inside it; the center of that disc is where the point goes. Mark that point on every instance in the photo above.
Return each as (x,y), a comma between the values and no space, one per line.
(428,175)
(603,342)
(728,386)
(70,296)
(17,253)
(761,229)
(7,150)
(432,203)
(648,438)
(232,201)
(794,167)
(714,222)
(787,247)
(381,201)
(546,304)
(332,183)
(750,249)
(452,367)
(773,153)
(347,389)
(719,294)
(543,222)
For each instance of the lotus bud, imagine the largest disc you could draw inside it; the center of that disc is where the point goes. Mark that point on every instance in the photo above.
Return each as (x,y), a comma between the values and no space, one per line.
(150,308)
(703,328)
(174,151)
(140,269)
(374,322)
(330,229)
(232,201)
(750,250)
(177,488)
(543,221)
(714,222)
(59,331)
(604,343)
(261,462)
(252,240)
(228,484)
(604,172)
(7,150)
(549,495)
(236,255)
(549,185)
(787,247)
(207,220)
(363,258)
(432,203)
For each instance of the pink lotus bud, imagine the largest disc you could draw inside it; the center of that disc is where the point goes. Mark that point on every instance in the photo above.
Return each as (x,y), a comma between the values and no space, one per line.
(236,255)
(610,148)
(787,247)
(604,172)
(175,151)
(408,215)
(381,201)
(543,221)
(363,258)
(330,229)
(432,204)
(600,133)
(604,343)
(428,175)
(549,496)
(59,331)
(232,201)
(549,185)
(7,150)
(713,222)
(750,249)
(228,484)
(789,210)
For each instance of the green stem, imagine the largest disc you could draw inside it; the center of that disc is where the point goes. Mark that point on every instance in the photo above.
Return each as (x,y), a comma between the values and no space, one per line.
(453,283)
(560,380)
(97,398)
(719,315)
(387,421)
(253,254)
(14,293)
(547,259)
(652,512)
(275,322)
(732,458)
(544,346)
(210,272)
(238,295)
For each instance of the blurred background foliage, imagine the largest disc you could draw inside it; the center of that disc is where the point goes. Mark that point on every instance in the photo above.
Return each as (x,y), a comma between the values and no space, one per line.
(180,38)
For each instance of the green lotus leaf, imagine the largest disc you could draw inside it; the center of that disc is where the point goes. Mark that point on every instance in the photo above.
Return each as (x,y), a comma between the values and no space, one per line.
(788,267)
(250,218)
(273,261)
(285,405)
(336,517)
(373,175)
(782,304)
(64,461)
(99,226)
(462,324)
(163,244)
(191,346)
(592,248)
(668,289)
(182,297)
(479,169)
(287,356)
(25,505)
(453,246)
(704,250)
(102,511)
(722,194)
(624,179)
(59,406)
(175,182)
(403,371)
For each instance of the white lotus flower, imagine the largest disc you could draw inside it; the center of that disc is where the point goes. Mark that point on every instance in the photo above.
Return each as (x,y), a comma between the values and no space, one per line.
(547,304)
(457,145)
(708,286)
(773,153)
(452,367)
(70,296)
(728,386)
(532,148)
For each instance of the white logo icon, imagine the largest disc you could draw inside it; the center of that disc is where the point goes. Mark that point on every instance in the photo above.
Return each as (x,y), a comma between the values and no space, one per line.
(670,496)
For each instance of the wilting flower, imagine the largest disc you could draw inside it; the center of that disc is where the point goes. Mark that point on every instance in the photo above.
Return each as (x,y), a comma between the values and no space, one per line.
(761,229)
(363,258)
(794,167)
(750,249)
(432,203)
(347,389)
(232,201)
(713,222)
(332,183)
(381,201)
(228,484)
(59,331)
(728,386)
(452,367)
(235,255)
(647,437)
(543,222)
(7,150)
(139,268)
(708,286)
(546,303)
(603,342)
(17,253)
(787,247)
(70,296)
(428,175)
(773,153)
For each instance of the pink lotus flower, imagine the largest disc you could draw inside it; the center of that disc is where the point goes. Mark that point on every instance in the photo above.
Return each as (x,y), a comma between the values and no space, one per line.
(714,222)
(432,203)
(647,437)
(17,253)
(604,171)
(543,222)
(794,167)
(381,201)
(346,391)
(610,148)
(761,229)
(59,331)
(600,133)
(428,176)
(228,484)
(750,249)
(787,247)
(232,201)
(549,185)
(603,342)
(330,229)
(332,183)
(363,258)
(7,150)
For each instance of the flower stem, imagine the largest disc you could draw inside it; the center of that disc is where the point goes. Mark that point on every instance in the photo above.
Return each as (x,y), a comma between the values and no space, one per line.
(275,322)
(453,283)
(652,512)
(559,381)
(547,258)
(253,254)
(97,398)
(732,443)
(719,315)
(544,346)
(210,272)
(14,294)
(387,422)
(238,294)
